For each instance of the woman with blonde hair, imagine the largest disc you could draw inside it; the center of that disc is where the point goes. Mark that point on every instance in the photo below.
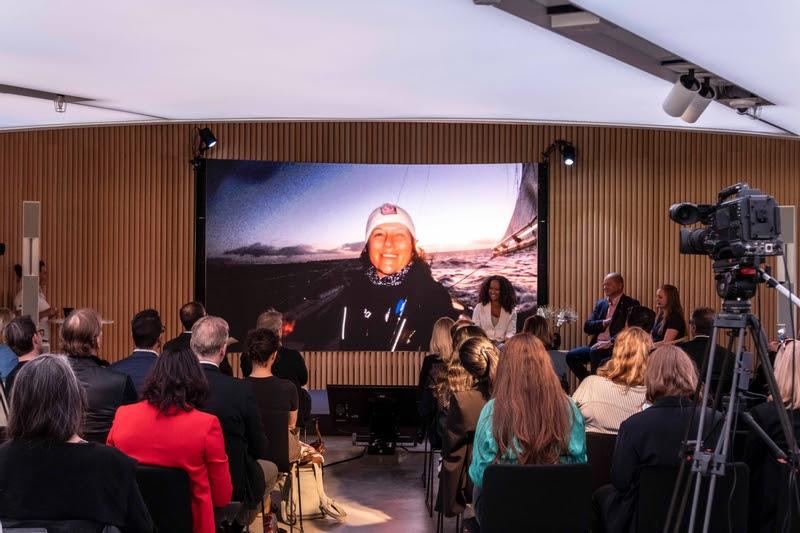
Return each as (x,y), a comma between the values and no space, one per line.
(766,474)
(617,391)
(652,437)
(433,366)
(8,359)
(529,420)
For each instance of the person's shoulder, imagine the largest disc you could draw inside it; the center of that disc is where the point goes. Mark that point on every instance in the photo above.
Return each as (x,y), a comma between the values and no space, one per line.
(284,351)
(109,457)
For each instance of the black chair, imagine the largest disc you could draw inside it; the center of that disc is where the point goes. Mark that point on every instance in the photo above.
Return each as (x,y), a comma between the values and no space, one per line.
(538,498)
(772,505)
(729,508)
(3,413)
(11,525)
(276,428)
(168,497)
(600,451)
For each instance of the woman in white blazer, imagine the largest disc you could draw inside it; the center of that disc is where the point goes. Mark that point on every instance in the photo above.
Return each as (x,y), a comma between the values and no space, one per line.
(495,312)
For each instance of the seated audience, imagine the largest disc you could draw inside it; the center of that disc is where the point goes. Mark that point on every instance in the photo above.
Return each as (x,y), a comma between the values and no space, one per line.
(496,310)
(652,437)
(167,429)
(617,391)
(433,366)
(670,325)
(231,400)
(606,321)
(289,364)
(25,342)
(641,316)
(769,479)
(8,359)
(146,329)
(540,327)
(701,325)
(525,424)
(454,374)
(189,314)
(47,472)
(105,389)
(479,358)
(272,394)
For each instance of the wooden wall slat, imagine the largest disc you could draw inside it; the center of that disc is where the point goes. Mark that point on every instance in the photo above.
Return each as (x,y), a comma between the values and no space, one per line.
(118,206)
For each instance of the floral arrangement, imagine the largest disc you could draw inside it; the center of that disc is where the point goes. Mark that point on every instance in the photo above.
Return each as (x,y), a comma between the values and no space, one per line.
(557,316)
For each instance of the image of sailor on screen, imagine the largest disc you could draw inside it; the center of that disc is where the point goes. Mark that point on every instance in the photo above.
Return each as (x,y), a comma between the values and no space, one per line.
(394,303)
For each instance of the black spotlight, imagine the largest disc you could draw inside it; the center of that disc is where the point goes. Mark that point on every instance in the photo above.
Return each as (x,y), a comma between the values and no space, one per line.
(566,148)
(207,139)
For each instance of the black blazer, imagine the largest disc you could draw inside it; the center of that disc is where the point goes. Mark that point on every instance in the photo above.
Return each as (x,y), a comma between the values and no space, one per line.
(652,437)
(232,401)
(136,366)
(105,390)
(697,349)
(594,325)
(183,341)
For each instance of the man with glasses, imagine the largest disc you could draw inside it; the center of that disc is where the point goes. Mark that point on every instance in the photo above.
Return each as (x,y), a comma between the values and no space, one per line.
(146,329)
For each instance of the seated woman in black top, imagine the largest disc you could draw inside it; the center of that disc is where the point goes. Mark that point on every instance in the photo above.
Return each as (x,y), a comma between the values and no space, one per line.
(273,394)
(769,480)
(670,323)
(434,364)
(48,473)
(651,437)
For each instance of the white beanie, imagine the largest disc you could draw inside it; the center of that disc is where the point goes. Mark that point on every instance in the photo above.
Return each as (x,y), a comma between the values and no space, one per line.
(388,213)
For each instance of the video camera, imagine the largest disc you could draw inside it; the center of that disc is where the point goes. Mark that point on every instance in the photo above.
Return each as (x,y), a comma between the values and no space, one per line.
(745,226)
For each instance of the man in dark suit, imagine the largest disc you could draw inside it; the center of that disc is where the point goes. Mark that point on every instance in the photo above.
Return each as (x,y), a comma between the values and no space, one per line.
(232,401)
(701,325)
(189,314)
(606,321)
(146,329)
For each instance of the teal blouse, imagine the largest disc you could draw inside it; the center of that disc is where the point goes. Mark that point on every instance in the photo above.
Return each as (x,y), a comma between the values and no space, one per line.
(485,448)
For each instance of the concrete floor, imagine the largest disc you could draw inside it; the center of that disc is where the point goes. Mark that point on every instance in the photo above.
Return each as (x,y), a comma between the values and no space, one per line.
(379,493)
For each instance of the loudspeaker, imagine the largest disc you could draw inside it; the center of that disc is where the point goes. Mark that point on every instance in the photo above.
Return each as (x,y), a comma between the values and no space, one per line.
(788,236)
(31,232)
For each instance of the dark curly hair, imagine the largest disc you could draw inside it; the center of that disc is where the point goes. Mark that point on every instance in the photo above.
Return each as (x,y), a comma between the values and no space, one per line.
(262,344)
(508,296)
(176,382)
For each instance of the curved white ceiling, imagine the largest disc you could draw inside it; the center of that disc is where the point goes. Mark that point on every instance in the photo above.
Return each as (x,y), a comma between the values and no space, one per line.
(317,59)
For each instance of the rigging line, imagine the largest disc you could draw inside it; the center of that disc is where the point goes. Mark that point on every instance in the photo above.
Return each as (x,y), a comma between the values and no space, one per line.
(403,185)
(484,265)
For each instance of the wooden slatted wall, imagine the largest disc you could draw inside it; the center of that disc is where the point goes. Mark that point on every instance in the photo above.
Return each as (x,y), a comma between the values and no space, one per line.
(118,201)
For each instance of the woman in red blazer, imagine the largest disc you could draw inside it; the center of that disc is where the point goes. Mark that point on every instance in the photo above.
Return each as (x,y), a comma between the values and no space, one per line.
(166,429)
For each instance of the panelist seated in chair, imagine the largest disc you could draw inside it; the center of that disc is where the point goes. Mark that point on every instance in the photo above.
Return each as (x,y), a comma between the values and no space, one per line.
(606,321)
(533,424)
(48,473)
(166,429)
(652,437)
(670,325)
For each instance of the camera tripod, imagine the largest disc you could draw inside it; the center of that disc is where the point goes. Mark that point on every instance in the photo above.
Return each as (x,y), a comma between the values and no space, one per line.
(737,286)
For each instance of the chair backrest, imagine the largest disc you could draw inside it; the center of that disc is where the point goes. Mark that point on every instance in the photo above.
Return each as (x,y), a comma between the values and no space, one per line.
(536,498)
(168,497)
(730,499)
(276,428)
(55,526)
(600,451)
(3,413)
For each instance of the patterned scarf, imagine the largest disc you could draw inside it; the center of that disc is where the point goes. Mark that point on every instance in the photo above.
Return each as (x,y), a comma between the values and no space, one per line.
(392,280)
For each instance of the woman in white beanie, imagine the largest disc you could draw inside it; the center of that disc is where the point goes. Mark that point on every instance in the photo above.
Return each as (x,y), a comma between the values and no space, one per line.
(395,302)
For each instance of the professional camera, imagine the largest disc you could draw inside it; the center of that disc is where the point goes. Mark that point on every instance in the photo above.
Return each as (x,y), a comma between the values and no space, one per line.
(744,223)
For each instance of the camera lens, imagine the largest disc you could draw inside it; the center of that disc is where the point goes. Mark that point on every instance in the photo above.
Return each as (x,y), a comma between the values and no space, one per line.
(693,241)
(684,214)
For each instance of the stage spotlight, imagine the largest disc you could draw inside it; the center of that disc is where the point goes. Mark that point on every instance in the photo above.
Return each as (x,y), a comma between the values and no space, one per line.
(207,139)
(568,154)
(699,103)
(681,95)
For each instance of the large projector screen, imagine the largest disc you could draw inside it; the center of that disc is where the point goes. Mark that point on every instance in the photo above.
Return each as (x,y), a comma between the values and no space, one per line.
(292,236)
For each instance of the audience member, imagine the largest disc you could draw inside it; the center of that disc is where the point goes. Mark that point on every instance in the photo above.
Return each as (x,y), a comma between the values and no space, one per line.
(540,328)
(106,389)
(617,391)
(701,324)
(606,321)
(496,310)
(46,311)
(146,329)
(652,437)
(47,472)
(8,359)
(768,477)
(289,364)
(522,423)
(231,400)
(433,366)
(25,342)
(641,316)
(670,325)
(479,358)
(189,314)
(453,373)
(167,429)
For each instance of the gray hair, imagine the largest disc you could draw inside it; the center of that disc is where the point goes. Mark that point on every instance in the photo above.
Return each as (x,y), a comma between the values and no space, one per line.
(271,320)
(209,336)
(47,402)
